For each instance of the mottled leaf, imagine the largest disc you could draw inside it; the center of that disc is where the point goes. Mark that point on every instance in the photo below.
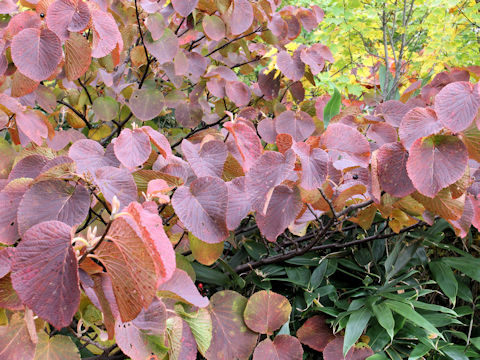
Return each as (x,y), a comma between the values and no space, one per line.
(146,103)
(203,252)
(214,27)
(283,347)
(58,347)
(15,341)
(266,312)
(181,287)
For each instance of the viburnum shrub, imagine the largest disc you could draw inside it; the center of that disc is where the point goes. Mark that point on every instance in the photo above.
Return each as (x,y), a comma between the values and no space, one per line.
(141,136)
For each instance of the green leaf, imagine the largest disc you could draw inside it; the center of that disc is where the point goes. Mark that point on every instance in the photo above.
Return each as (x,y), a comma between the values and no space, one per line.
(332,108)
(408,313)
(444,277)
(377,357)
(318,274)
(418,351)
(285,329)
(357,322)
(200,323)
(470,266)
(384,317)
(298,275)
(210,276)
(476,342)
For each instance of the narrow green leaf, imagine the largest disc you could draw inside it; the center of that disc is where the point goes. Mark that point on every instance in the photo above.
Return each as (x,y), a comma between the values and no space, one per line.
(470,266)
(384,317)
(418,351)
(444,277)
(332,108)
(408,313)
(285,329)
(377,357)
(357,322)
(318,274)
(476,342)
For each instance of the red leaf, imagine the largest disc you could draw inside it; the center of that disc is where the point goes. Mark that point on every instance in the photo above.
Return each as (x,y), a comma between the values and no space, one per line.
(436,162)
(417,123)
(48,285)
(36,53)
(131,267)
(134,337)
(53,200)
(382,133)
(106,35)
(231,339)
(300,125)
(67,15)
(132,148)
(347,141)
(334,351)
(238,92)
(283,208)
(89,156)
(10,198)
(202,208)
(314,165)
(266,312)
(116,182)
(182,288)
(242,16)
(462,225)
(283,347)
(392,170)
(269,85)
(315,56)
(270,170)
(153,235)
(146,103)
(457,105)
(159,140)
(8,297)
(78,56)
(214,27)
(238,202)
(392,111)
(292,67)
(207,159)
(24,20)
(308,19)
(315,333)
(15,341)
(32,124)
(165,48)
(247,141)
(184,7)
(5,261)
(22,85)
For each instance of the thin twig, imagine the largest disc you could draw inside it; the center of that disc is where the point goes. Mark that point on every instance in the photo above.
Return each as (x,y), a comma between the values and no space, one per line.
(78,113)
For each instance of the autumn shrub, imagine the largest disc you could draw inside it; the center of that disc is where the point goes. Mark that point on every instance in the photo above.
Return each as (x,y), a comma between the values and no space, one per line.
(170,189)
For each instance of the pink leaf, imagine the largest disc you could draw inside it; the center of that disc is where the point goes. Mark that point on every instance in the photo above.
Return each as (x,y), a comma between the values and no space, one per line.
(184,7)
(315,56)
(132,148)
(266,129)
(436,162)
(67,15)
(181,287)
(33,125)
(314,165)
(269,85)
(392,170)
(15,340)
(247,142)
(53,200)
(334,351)
(392,111)
(242,16)
(45,273)
(270,170)
(28,167)
(206,160)
(10,198)
(36,53)
(457,105)
(214,27)
(238,92)
(146,103)
(283,347)
(165,48)
(159,140)
(348,141)
(106,35)
(382,133)
(300,125)
(292,67)
(283,208)
(116,182)
(202,208)
(417,123)
(89,156)
(238,202)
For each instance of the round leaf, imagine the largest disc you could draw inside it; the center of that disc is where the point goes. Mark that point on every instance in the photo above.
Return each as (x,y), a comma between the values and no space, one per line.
(283,347)
(300,125)
(146,103)
(417,123)
(105,108)
(266,312)
(132,148)
(214,27)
